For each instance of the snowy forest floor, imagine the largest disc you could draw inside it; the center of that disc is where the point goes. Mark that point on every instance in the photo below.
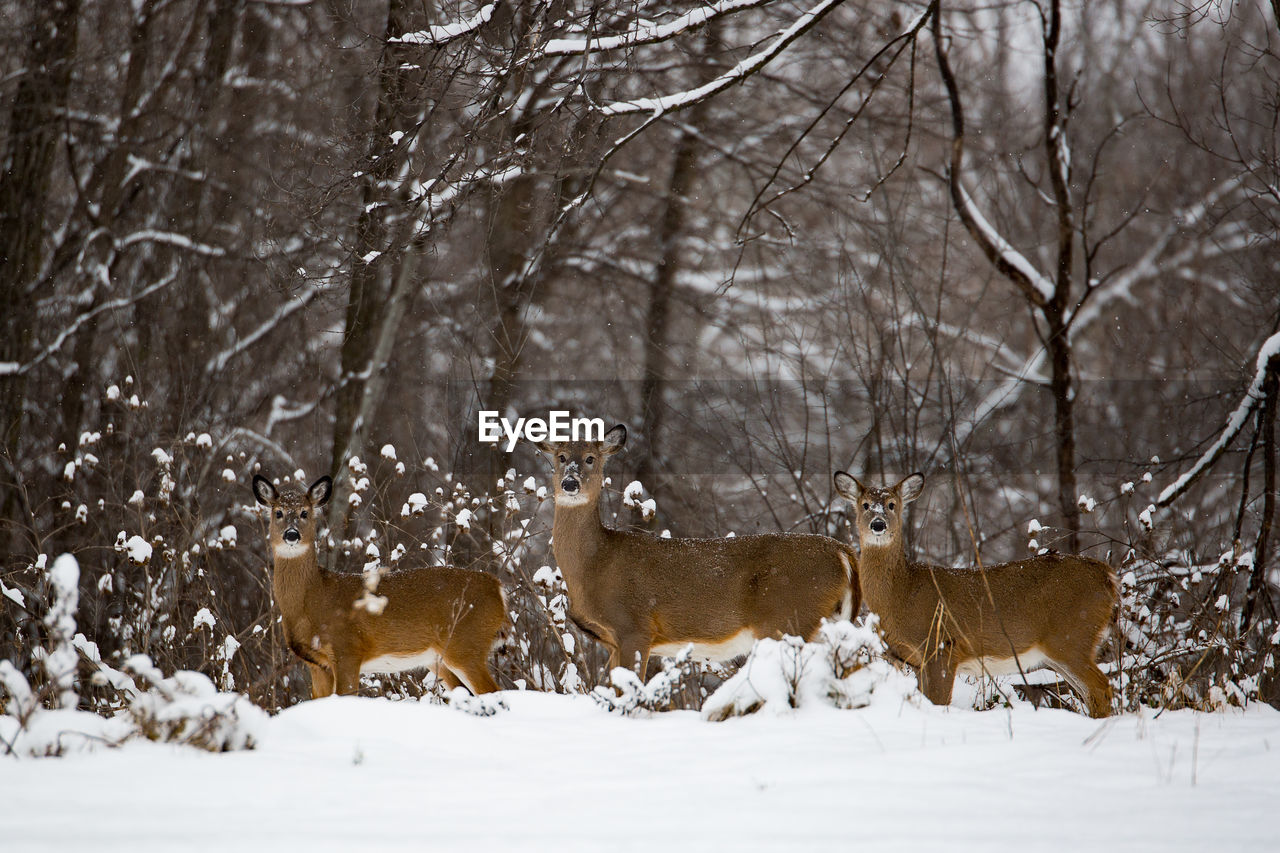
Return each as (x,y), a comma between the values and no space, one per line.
(555,772)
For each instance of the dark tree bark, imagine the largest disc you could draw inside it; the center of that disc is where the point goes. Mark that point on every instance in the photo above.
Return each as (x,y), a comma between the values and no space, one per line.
(35,128)
(370,280)
(34,131)
(1261,549)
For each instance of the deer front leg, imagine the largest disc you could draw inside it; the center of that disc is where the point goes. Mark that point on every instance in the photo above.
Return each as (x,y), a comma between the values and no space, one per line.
(937,675)
(321,681)
(632,652)
(346,670)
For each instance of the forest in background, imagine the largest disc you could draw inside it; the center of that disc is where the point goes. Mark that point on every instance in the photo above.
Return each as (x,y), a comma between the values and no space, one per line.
(1028,248)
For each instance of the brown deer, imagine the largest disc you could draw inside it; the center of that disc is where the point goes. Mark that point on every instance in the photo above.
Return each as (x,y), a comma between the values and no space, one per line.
(1051,610)
(639,594)
(438,617)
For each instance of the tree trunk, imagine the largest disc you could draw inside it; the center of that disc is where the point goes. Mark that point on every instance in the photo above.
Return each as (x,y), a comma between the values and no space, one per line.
(1064,431)
(1257,576)
(34,128)
(370,282)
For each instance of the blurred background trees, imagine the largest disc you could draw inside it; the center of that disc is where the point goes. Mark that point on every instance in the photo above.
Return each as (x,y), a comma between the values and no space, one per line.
(1028,248)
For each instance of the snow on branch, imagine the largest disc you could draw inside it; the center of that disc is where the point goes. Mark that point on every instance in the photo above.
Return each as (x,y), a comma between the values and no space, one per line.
(999,248)
(12,367)
(744,69)
(1269,350)
(180,241)
(649,32)
(218,362)
(444,33)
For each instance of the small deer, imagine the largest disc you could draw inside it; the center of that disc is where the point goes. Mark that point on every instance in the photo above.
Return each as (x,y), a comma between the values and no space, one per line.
(442,618)
(639,594)
(1051,610)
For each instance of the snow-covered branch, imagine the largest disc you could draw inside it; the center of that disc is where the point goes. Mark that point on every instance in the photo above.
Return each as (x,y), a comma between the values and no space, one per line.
(670,103)
(445,33)
(1269,350)
(649,32)
(13,368)
(996,246)
(220,361)
(169,238)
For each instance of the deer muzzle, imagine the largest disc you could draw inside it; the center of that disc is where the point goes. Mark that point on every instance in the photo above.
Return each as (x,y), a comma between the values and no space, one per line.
(570,484)
(291,536)
(878,526)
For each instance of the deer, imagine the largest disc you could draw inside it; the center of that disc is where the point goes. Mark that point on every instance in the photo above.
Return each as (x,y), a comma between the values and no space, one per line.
(639,594)
(441,618)
(1052,610)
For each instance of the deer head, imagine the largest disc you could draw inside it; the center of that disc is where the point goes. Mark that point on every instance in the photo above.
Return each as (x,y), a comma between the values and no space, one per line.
(293,514)
(878,511)
(579,466)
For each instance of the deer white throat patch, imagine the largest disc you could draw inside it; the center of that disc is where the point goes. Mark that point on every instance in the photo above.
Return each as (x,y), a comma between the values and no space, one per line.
(288,552)
(570,500)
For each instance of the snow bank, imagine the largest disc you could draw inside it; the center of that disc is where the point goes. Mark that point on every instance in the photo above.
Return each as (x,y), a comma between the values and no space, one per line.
(845,668)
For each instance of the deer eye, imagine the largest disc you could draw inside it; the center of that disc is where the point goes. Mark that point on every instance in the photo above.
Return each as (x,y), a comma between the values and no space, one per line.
(891,505)
(589,460)
(866,506)
(279,514)
(563,459)
(303,514)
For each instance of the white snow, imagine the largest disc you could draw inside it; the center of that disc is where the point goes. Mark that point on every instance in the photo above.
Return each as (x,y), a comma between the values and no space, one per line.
(139,549)
(438,35)
(553,773)
(464,519)
(647,31)
(416,505)
(203,617)
(632,494)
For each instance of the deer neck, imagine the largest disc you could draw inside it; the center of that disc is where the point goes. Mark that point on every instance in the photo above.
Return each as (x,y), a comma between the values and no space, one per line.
(291,578)
(577,539)
(882,572)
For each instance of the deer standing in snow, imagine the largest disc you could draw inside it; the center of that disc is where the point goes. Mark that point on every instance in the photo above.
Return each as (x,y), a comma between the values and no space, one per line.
(438,617)
(639,594)
(1050,610)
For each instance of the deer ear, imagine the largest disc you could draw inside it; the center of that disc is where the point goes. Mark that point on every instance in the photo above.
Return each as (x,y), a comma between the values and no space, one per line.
(321,490)
(614,440)
(263,490)
(910,487)
(847,486)
(545,447)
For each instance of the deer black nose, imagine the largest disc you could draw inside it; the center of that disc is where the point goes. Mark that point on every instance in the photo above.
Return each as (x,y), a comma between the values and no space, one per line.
(570,485)
(878,526)
(292,536)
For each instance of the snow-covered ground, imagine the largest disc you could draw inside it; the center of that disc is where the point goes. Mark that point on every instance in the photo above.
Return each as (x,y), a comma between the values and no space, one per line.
(558,773)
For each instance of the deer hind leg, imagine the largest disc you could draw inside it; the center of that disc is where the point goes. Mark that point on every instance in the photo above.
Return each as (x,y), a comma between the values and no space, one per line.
(473,674)
(445,676)
(1090,683)
(321,681)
